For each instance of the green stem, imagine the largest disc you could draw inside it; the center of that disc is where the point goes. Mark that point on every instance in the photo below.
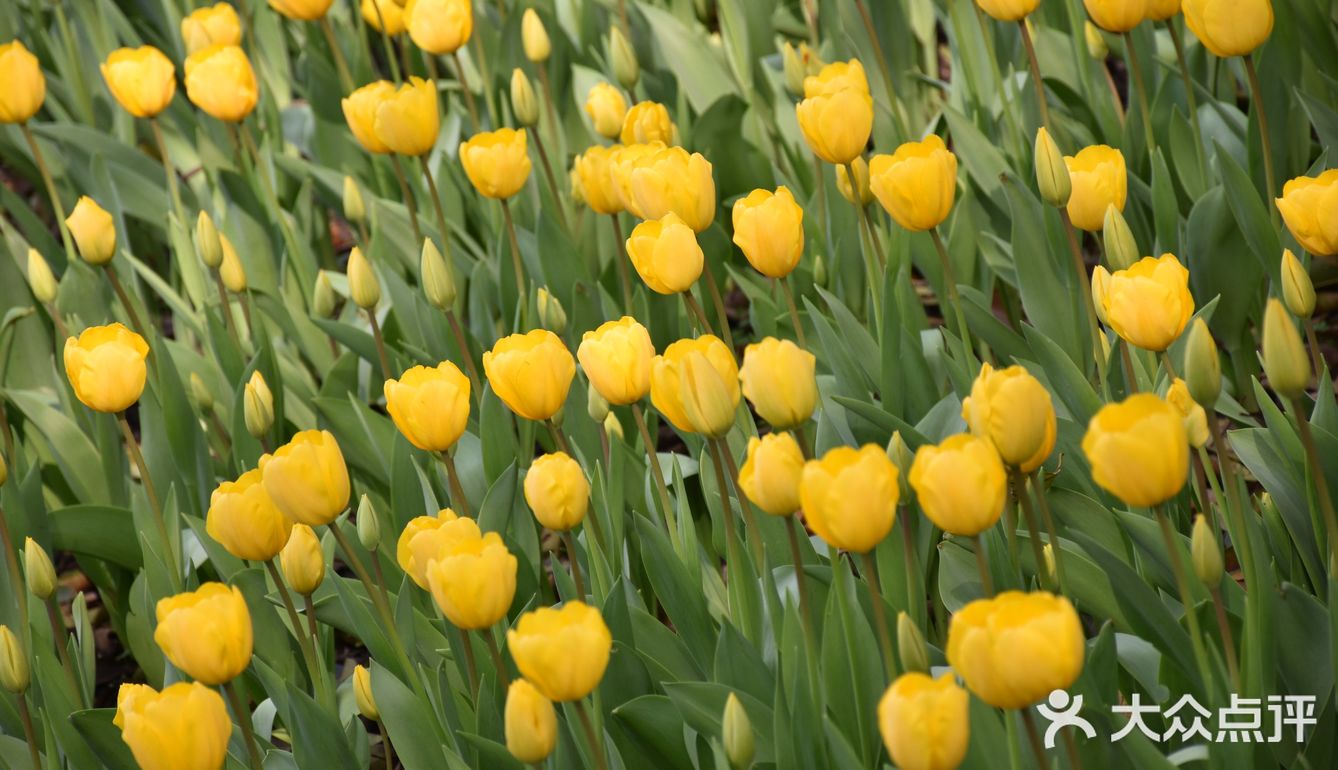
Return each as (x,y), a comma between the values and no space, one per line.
(303,641)
(345,78)
(879,613)
(496,654)
(1257,96)
(57,210)
(1033,531)
(61,636)
(624,276)
(378,601)
(225,307)
(552,180)
(12,556)
(1186,597)
(596,746)
(1141,88)
(445,233)
(745,505)
(26,717)
(243,715)
(1034,738)
(385,736)
(695,311)
(458,498)
(657,473)
(892,103)
(1085,287)
(1037,484)
(1190,98)
(719,303)
(983,567)
(1317,476)
(132,446)
(559,441)
(573,562)
(871,255)
(121,294)
(806,618)
(794,311)
(1228,641)
(475,383)
(172,185)
(384,359)
(517,264)
(407,195)
(464,87)
(950,279)
(1035,65)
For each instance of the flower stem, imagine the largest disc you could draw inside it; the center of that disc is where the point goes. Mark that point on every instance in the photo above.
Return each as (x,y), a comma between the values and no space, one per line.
(695,310)
(559,441)
(1141,88)
(657,473)
(745,505)
(950,279)
(57,210)
(303,641)
(1317,476)
(60,635)
(553,124)
(1228,642)
(879,613)
(496,654)
(1035,65)
(624,277)
(1037,484)
(170,171)
(1034,738)
(517,264)
(380,344)
(573,561)
(794,311)
(132,446)
(408,197)
(26,717)
(1186,597)
(12,555)
(243,715)
(983,567)
(225,307)
(345,78)
(596,746)
(381,728)
(552,180)
(1257,96)
(445,233)
(378,601)
(475,384)
(458,498)
(386,44)
(1190,98)
(464,87)
(1033,531)
(1085,287)
(124,297)
(718,302)
(1316,355)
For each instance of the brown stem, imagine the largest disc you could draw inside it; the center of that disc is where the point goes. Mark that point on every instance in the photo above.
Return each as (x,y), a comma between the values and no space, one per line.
(1257,96)
(794,311)
(573,563)
(380,344)
(879,613)
(475,384)
(458,498)
(243,714)
(496,654)
(1228,642)
(552,180)
(345,78)
(718,302)
(559,441)
(12,557)
(26,717)
(1034,738)
(695,310)
(437,208)
(1035,66)
(408,197)
(309,610)
(1316,354)
(124,297)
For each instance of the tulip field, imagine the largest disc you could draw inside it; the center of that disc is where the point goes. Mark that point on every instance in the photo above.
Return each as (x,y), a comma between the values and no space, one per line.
(674,384)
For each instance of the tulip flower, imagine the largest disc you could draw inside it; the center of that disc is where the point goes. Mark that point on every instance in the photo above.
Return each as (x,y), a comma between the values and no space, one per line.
(695,385)
(1098,180)
(1161,10)
(924,722)
(206,633)
(105,366)
(1118,16)
(557,491)
(623,160)
(231,270)
(530,723)
(1149,304)
(93,230)
(25,86)
(405,549)
(1309,207)
(1138,450)
(769,230)
(617,359)
(257,406)
(665,254)
(1013,411)
(439,27)
(837,125)
(497,162)
(1284,355)
(15,675)
(850,496)
(607,109)
(670,180)
(307,478)
(142,79)
(302,560)
(408,120)
(1229,27)
(531,373)
(220,81)
(917,183)
(1298,291)
(473,580)
(533,37)
(216,24)
(562,652)
(362,693)
(245,521)
(184,726)
(1196,419)
(1203,368)
(360,113)
(961,484)
(861,194)
(837,76)
(647,122)
(770,473)
(301,10)
(797,63)
(736,732)
(430,406)
(38,571)
(779,381)
(40,278)
(593,177)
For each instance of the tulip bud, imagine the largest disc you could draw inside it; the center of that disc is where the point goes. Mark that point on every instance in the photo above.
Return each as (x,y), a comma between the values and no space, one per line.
(911,646)
(1203,369)
(523,103)
(1285,360)
(201,393)
(13,663)
(1204,553)
(257,406)
(43,283)
(4,471)
(1298,292)
(362,693)
(534,38)
(551,315)
(793,68)
(902,457)
(1096,44)
(369,526)
(1048,556)
(232,271)
(596,405)
(530,723)
(625,66)
(207,243)
(613,427)
(354,209)
(435,274)
(362,283)
(1121,249)
(737,734)
(1052,174)
(1100,283)
(37,570)
(94,231)
(302,560)
(819,270)
(323,297)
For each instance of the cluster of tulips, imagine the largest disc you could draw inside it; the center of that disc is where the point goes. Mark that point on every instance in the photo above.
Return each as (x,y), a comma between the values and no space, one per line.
(984,485)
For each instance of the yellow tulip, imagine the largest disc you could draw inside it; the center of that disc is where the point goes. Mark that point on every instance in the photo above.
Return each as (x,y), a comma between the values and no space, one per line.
(616,358)
(1117,16)
(1100,285)
(837,125)
(257,406)
(43,282)
(1309,206)
(301,10)
(797,63)
(769,230)
(1098,178)
(1298,291)
(15,675)
(591,171)
(533,37)
(530,723)
(142,79)
(1196,419)
(220,81)
(439,26)
(1203,368)
(105,366)
(607,109)
(524,103)
(407,549)
(647,122)
(557,491)
(961,484)
(473,580)
(1285,360)
(231,271)
(383,16)
(430,406)
(497,162)
(184,726)
(623,160)
(562,652)
(38,571)
(1138,450)
(94,231)
(861,181)
(917,183)
(1229,27)
(25,85)
(779,381)
(307,478)
(736,732)
(770,473)
(1052,174)
(1149,304)
(1013,649)
(362,693)
(217,24)
(1008,10)
(407,121)
(531,373)
(925,722)
(670,180)
(1204,554)
(850,496)
(302,560)
(695,384)
(206,632)
(1012,410)
(665,254)
(360,113)
(244,520)
(1161,10)
(837,76)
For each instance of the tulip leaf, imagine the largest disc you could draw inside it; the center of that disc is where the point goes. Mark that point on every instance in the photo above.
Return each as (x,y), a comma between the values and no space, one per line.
(654,732)
(95,725)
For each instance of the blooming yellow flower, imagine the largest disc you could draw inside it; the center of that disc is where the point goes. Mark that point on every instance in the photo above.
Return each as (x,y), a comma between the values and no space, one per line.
(206,632)
(1229,27)
(185,723)
(695,384)
(245,521)
(770,473)
(105,366)
(142,79)
(925,722)
(1014,649)
(407,121)
(607,109)
(961,484)
(497,162)
(220,81)
(850,497)
(1309,206)
(647,122)
(592,176)
(25,85)
(670,180)
(307,478)
(837,76)
(439,27)
(617,359)
(665,254)
(301,10)
(531,373)
(430,406)
(557,491)
(360,113)
(473,580)
(769,230)
(837,125)
(917,183)
(1012,410)
(562,652)
(210,25)
(1138,450)
(1149,304)
(1098,178)
(779,381)
(1116,15)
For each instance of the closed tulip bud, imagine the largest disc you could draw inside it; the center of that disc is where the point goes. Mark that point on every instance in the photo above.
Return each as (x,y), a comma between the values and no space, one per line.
(1297,290)
(368,524)
(301,10)
(911,646)
(302,560)
(865,194)
(94,231)
(836,125)
(1012,410)
(1138,450)
(901,455)
(1196,419)
(1229,28)
(384,16)
(363,285)
(142,79)
(670,181)
(779,380)
(531,373)
(244,520)
(562,651)
(917,183)
(1203,369)
(850,497)
(204,398)
(1048,556)
(769,230)
(439,26)
(617,358)
(961,484)
(220,81)
(231,270)
(186,722)
(437,277)
(362,693)
(736,732)
(770,473)
(497,162)
(647,122)
(593,180)
(551,315)
(819,270)
(214,24)
(307,478)
(40,278)
(105,366)
(430,406)
(1285,360)
(323,297)
(666,254)
(25,86)
(1038,631)
(38,572)
(530,723)
(14,673)
(793,69)
(695,384)
(1118,240)
(623,57)
(534,37)
(557,491)
(1098,179)
(1205,555)
(360,113)
(472,578)
(355,210)
(206,633)
(1117,16)
(1100,286)
(1096,44)
(1309,207)
(1149,304)
(257,406)
(208,243)
(613,428)
(407,120)
(1008,10)
(1052,174)
(607,109)
(925,722)
(596,406)
(523,102)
